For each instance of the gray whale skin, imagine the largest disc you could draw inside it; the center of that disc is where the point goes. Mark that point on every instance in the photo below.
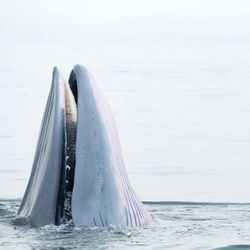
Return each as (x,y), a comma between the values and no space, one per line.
(78,173)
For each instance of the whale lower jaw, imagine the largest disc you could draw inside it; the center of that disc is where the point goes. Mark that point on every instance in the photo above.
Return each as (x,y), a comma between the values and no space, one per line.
(78,171)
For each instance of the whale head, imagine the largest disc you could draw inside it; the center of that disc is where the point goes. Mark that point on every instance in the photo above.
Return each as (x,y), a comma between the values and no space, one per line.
(78,172)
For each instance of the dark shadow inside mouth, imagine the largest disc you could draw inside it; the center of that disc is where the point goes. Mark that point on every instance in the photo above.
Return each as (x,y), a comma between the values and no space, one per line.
(64,211)
(73,85)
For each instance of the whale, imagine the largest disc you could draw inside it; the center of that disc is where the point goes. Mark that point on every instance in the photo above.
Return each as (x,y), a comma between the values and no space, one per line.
(78,173)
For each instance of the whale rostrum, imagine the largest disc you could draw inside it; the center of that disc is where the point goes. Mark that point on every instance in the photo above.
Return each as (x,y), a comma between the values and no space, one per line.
(78,172)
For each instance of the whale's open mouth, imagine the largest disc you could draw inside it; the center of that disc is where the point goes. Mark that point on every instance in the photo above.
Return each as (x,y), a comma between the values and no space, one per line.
(78,172)
(64,204)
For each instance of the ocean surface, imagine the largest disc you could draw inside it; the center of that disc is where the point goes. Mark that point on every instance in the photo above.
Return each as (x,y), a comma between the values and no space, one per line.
(177,77)
(176,225)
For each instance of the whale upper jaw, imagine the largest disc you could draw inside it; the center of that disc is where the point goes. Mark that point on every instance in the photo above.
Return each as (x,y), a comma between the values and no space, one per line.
(78,171)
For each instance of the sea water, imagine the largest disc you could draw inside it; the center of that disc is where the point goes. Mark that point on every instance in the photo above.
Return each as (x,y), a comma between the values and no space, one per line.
(176,225)
(176,75)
